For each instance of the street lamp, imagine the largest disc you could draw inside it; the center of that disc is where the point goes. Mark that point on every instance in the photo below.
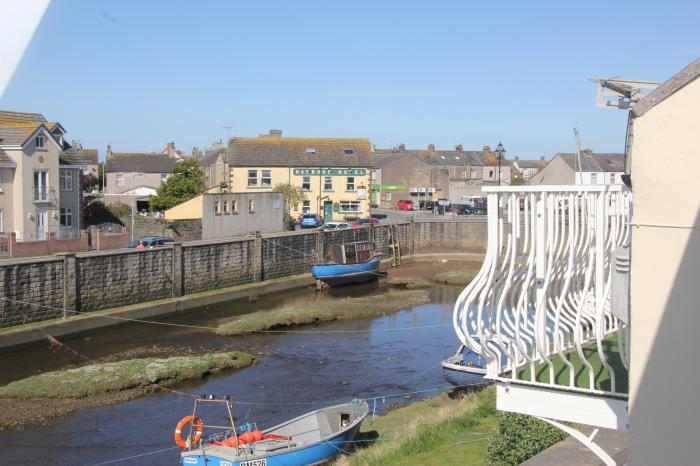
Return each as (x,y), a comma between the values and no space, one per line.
(500,151)
(133,202)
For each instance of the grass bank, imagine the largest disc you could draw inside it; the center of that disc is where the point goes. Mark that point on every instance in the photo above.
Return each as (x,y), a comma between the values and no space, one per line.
(437,431)
(456,278)
(324,309)
(104,378)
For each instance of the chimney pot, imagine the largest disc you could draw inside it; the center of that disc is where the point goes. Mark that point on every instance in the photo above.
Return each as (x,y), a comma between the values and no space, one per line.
(487,148)
(517,158)
(431,147)
(542,157)
(402,146)
(458,148)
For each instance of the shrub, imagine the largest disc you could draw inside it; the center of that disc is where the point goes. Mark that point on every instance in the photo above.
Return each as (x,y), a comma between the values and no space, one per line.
(119,209)
(520,437)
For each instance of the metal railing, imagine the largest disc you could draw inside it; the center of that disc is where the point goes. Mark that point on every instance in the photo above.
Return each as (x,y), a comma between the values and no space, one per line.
(41,194)
(67,233)
(542,296)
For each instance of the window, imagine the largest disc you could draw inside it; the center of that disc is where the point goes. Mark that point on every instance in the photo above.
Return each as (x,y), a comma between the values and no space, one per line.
(163,177)
(1,225)
(464,173)
(120,179)
(306,207)
(594,178)
(350,207)
(350,186)
(41,186)
(234,206)
(612,178)
(251,206)
(217,207)
(66,179)
(40,142)
(328,183)
(348,151)
(472,174)
(66,217)
(310,151)
(306,183)
(387,196)
(490,173)
(226,207)
(266,181)
(252,178)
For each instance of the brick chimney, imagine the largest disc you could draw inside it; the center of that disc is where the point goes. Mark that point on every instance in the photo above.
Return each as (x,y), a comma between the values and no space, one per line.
(486,149)
(458,148)
(517,158)
(402,146)
(109,151)
(431,147)
(275,133)
(542,158)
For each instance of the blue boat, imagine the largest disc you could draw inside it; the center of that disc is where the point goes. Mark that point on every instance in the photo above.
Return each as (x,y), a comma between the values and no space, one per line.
(348,264)
(312,438)
(464,368)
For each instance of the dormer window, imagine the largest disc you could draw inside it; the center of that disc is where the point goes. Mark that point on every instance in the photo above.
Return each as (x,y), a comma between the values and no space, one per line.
(348,151)
(310,151)
(40,142)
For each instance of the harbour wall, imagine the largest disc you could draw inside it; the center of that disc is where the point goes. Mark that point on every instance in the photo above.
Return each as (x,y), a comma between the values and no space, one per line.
(68,284)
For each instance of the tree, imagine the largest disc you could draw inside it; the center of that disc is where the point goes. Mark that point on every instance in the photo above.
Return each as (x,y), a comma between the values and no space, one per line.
(292,195)
(517,180)
(186,182)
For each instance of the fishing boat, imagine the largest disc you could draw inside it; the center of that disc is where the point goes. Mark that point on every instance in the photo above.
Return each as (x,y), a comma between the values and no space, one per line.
(348,263)
(309,439)
(465,367)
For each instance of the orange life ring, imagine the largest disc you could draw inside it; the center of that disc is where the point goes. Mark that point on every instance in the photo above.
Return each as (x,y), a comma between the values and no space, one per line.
(196,422)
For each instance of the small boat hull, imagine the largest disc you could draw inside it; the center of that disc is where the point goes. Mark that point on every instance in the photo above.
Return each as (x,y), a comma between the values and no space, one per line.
(299,449)
(464,368)
(347,274)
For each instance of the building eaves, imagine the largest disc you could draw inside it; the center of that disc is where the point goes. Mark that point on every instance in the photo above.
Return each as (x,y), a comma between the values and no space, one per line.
(667,89)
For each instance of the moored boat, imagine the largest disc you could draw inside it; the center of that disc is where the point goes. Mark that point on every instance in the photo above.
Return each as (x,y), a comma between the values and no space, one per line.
(465,367)
(309,439)
(348,264)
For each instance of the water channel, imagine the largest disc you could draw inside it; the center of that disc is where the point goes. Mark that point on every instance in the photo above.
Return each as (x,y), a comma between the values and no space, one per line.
(298,372)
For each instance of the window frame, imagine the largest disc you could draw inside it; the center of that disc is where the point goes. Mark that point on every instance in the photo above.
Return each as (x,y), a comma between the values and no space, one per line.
(217,207)
(234,206)
(306,185)
(225,207)
(263,178)
(350,204)
(305,207)
(65,214)
(350,186)
(119,179)
(253,180)
(65,178)
(42,138)
(251,206)
(327,183)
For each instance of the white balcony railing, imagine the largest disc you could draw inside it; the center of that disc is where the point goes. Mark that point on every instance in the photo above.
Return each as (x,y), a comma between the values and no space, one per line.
(539,311)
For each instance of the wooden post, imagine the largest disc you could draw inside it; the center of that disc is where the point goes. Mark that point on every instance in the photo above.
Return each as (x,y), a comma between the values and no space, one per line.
(178,270)
(257,258)
(71,284)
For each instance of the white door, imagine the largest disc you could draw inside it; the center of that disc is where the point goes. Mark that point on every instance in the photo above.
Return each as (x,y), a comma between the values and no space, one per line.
(42,221)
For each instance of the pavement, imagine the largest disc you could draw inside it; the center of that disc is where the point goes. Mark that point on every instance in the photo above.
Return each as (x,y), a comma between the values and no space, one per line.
(572,452)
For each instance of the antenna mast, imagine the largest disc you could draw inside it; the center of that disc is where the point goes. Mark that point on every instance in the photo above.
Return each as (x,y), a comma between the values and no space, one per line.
(578,154)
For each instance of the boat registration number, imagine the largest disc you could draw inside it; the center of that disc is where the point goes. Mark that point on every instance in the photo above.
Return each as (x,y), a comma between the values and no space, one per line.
(260,462)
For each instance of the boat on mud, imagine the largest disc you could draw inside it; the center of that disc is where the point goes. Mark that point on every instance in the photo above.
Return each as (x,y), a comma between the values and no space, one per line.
(311,438)
(348,264)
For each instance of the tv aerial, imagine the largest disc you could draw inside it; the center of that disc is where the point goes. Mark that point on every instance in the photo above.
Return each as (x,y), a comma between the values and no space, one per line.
(621,93)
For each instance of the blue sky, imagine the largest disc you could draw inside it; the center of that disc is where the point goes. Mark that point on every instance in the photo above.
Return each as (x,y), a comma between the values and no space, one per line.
(141,73)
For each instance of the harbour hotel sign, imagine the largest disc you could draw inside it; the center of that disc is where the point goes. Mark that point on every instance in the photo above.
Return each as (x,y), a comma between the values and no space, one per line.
(317,171)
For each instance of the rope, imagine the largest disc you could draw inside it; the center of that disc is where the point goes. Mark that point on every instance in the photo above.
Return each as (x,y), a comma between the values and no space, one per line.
(134,456)
(200,327)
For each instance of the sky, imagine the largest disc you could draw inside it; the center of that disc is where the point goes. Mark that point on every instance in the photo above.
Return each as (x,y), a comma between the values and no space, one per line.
(138,74)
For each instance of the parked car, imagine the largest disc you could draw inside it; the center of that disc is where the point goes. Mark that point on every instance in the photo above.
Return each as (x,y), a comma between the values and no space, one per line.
(310,221)
(363,222)
(150,242)
(331,226)
(406,204)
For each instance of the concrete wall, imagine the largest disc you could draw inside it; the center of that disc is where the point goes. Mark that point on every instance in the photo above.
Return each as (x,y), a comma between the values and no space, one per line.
(98,280)
(664,371)
(233,217)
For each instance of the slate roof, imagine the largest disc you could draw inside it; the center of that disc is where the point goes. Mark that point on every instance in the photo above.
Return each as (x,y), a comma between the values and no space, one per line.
(140,162)
(270,151)
(450,158)
(6,161)
(89,156)
(596,162)
(210,156)
(14,136)
(70,156)
(667,89)
(539,163)
(8,118)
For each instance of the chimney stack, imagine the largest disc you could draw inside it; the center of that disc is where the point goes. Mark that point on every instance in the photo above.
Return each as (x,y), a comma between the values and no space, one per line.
(458,148)
(542,158)
(487,148)
(402,146)
(517,158)
(275,133)
(431,147)
(109,151)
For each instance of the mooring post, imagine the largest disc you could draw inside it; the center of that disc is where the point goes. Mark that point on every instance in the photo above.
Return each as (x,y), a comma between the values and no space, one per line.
(177,272)
(257,257)
(71,283)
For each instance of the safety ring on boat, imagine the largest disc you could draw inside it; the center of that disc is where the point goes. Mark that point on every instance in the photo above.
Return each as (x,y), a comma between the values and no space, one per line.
(196,422)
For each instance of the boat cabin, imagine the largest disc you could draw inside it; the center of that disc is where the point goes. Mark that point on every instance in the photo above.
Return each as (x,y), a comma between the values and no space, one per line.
(350,253)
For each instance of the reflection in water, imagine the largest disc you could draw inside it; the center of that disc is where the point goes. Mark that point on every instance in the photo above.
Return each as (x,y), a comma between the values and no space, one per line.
(296,374)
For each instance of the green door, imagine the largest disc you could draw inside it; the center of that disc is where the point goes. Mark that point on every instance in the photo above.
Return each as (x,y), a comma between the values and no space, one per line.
(327,211)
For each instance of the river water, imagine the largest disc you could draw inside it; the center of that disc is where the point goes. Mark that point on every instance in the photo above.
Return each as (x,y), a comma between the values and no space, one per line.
(297,373)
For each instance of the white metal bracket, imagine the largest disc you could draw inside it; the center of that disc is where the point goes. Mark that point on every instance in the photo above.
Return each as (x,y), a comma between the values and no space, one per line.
(587,441)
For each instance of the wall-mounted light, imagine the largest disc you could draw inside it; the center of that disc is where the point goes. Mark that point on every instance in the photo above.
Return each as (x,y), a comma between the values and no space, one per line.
(30,216)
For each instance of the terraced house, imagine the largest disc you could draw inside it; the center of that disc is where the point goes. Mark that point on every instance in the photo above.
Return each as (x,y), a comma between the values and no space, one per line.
(40,177)
(334,173)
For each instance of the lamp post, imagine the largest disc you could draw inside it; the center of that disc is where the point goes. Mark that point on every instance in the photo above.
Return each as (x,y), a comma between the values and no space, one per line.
(500,151)
(133,202)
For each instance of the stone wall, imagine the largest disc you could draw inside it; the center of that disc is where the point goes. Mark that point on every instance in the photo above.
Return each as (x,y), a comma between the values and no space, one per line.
(41,288)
